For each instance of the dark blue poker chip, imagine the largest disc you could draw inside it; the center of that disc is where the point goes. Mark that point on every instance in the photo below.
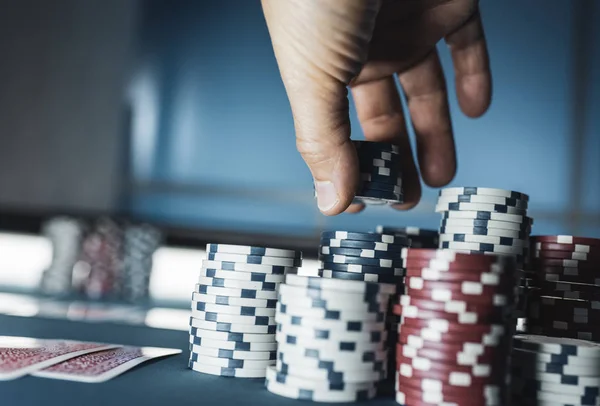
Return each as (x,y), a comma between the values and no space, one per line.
(374,146)
(381,195)
(365,277)
(366,245)
(352,268)
(222,283)
(356,252)
(379,186)
(522,235)
(359,236)
(367,164)
(384,263)
(409,231)
(375,177)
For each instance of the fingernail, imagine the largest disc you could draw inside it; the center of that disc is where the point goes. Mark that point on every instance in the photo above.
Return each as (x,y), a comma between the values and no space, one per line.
(327,196)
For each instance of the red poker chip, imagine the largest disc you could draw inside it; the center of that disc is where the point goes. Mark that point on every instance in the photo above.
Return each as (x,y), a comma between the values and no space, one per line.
(455,306)
(475,259)
(566,239)
(477,331)
(579,256)
(449,266)
(427,365)
(411,395)
(495,299)
(452,377)
(410,312)
(452,356)
(550,246)
(486,278)
(412,389)
(563,263)
(465,288)
(451,343)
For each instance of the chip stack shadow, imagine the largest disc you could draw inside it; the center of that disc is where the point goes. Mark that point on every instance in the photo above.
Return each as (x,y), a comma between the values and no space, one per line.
(456,327)
(367,257)
(567,303)
(380,173)
(493,222)
(232,327)
(331,339)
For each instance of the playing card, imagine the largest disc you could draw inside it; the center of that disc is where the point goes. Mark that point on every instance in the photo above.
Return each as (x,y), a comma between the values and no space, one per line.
(102,366)
(22,355)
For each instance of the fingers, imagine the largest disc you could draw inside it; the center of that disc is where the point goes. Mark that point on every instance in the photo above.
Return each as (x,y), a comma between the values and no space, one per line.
(425,89)
(471,67)
(380,113)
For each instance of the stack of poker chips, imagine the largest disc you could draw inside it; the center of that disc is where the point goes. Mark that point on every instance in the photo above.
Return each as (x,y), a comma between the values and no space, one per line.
(418,237)
(568,300)
(365,257)
(140,243)
(489,221)
(232,327)
(65,235)
(456,328)
(555,371)
(380,173)
(331,339)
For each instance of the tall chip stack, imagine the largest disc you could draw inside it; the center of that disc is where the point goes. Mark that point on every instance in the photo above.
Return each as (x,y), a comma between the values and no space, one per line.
(418,237)
(456,328)
(555,371)
(331,339)
(489,221)
(380,173)
(140,243)
(366,257)
(232,327)
(568,276)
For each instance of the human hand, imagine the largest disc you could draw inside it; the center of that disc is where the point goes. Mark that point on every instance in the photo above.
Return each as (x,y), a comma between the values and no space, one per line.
(323,46)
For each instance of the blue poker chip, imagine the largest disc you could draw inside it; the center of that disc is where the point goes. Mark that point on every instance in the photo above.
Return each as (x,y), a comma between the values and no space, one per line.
(365,277)
(342,259)
(359,236)
(379,186)
(353,268)
(361,253)
(388,197)
(366,245)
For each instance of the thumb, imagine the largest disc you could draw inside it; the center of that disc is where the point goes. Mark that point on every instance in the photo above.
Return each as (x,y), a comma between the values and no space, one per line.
(323,139)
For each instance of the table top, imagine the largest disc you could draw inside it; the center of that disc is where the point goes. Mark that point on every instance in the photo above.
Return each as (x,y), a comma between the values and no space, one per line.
(162,382)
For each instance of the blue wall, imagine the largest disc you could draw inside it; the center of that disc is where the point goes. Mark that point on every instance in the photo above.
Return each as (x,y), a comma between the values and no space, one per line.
(213,138)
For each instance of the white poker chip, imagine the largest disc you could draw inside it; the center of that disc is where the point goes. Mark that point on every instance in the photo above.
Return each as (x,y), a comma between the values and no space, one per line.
(229,372)
(243,267)
(252,250)
(503,225)
(492,232)
(254,259)
(236,284)
(234,301)
(234,354)
(497,208)
(243,293)
(224,362)
(322,314)
(330,345)
(485,239)
(517,382)
(336,335)
(339,285)
(242,276)
(229,318)
(353,376)
(356,359)
(488,215)
(483,191)
(229,336)
(534,356)
(558,346)
(334,299)
(233,310)
(540,366)
(336,325)
(232,328)
(233,345)
(474,246)
(344,363)
(319,395)
(505,201)
(312,384)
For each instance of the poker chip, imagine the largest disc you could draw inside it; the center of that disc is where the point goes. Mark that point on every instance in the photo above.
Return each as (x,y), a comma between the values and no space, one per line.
(368,298)
(331,345)
(549,246)
(356,236)
(356,268)
(337,377)
(250,250)
(366,245)
(566,239)
(324,314)
(362,253)
(492,232)
(504,201)
(274,375)
(497,208)
(487,215)
(345,259)
(503,225)
(389,278)
(483,191)
(340,285)
(416,237)
(485,239)
(233,318)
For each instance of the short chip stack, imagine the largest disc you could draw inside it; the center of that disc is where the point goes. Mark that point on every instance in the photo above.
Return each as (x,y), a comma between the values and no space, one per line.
(489,221)
(380,173)
(568,271)
(555,371)
(331,339)
(456,328)
(365,257)
(232,328)
(418,237)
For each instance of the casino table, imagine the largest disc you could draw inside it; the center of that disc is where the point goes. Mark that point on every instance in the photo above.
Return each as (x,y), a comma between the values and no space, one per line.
(161,382)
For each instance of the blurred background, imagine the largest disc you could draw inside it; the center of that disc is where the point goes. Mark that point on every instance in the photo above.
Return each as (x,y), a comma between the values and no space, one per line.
(133,132)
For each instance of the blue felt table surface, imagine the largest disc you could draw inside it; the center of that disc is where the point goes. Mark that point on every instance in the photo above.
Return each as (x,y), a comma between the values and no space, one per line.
(165,382)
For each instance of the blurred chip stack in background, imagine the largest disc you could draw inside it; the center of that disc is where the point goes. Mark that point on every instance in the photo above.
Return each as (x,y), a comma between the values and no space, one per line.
(65,235)
(107,260)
